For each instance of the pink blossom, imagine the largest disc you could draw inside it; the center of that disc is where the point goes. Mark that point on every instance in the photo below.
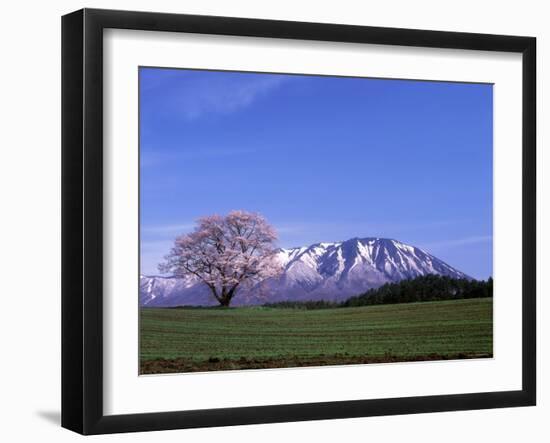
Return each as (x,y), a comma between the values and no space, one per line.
(226,253)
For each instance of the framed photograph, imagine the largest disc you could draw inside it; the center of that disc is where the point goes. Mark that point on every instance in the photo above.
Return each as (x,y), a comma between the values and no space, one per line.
(269,221)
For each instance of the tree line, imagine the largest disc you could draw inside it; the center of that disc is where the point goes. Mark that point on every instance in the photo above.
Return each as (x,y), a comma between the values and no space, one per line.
(420,289)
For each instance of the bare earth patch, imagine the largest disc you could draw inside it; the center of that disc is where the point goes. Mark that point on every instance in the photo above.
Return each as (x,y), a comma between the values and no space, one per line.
(165,366)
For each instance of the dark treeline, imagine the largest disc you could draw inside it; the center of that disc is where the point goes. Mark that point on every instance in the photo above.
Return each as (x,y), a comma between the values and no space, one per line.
(420,289)
(426,288)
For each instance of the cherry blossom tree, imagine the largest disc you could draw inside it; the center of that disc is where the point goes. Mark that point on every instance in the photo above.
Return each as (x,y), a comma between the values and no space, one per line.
(226,253)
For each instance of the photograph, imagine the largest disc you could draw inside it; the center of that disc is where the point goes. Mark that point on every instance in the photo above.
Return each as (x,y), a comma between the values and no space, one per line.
(295,220)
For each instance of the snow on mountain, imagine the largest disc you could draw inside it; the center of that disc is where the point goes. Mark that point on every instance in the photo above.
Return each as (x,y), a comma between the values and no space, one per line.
(323,271)
(172,291)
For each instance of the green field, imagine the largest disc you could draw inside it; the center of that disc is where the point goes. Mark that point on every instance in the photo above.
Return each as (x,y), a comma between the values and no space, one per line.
(183,340)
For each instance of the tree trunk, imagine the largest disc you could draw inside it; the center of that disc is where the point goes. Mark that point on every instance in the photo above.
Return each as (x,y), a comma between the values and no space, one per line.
(229,294)
(225,297)
(220,298)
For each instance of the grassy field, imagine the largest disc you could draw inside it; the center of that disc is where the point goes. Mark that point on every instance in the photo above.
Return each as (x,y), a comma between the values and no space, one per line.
(185,340)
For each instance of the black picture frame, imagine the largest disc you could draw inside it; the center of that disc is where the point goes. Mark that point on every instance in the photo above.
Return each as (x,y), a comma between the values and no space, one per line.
(82,218)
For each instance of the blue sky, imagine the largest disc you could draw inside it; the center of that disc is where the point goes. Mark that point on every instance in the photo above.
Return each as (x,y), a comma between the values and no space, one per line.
(322,158)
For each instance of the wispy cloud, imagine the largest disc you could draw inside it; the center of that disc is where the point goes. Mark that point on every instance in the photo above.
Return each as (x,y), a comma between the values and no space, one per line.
(458,242)
(168,229)
(366,229)
(156,246)
(152,253)
(225,96)
(157,157)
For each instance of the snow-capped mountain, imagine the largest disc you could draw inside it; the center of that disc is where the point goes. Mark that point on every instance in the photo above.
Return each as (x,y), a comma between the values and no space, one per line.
(323,271)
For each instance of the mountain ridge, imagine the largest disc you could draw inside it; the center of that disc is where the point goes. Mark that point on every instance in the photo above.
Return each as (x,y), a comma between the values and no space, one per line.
(331,271)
